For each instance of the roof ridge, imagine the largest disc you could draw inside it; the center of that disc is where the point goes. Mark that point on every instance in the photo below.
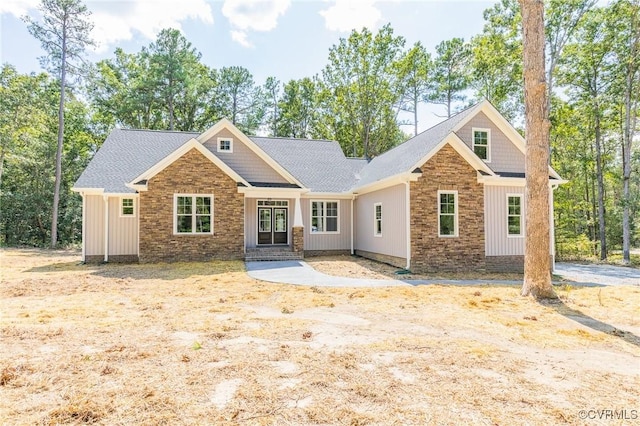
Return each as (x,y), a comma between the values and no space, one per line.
(158,131)
(292,139)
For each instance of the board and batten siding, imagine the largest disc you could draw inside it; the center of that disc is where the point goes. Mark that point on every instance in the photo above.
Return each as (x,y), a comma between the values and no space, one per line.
(123,231)
(497,240)
(505,156)
(328,241)
(243,160)
(251,220)
(393,241)
(94,225)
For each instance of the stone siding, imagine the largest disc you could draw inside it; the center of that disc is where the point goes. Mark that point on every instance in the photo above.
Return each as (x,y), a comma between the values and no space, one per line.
(297,235)
(192,173)
(513,263)
(318,253)
(447,170)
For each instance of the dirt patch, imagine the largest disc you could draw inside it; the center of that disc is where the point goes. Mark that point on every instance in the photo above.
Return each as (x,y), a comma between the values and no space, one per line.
(195,343)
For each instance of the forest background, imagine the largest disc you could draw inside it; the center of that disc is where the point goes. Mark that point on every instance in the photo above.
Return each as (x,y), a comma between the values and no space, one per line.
(366,97)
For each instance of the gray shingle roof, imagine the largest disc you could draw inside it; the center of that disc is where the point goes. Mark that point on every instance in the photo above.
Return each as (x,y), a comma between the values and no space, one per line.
(126,154)
(404,156)
(319,165)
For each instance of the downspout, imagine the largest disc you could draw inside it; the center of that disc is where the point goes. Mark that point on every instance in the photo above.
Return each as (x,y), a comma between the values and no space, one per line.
(408,222)
(84,227)
(353,197)
(106,227)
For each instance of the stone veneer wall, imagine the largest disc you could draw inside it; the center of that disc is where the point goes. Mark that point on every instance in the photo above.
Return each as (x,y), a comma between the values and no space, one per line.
(192,173)
(447,170)
(297,235)
(398,262)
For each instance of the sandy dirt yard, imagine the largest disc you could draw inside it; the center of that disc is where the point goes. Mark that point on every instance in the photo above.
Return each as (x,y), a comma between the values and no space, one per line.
(202,343)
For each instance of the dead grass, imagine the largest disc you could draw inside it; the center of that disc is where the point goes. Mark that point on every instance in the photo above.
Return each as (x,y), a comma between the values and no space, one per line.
(359,267)
(202,343)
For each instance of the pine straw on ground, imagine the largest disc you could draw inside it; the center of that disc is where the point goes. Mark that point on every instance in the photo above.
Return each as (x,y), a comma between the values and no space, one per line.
(202,343)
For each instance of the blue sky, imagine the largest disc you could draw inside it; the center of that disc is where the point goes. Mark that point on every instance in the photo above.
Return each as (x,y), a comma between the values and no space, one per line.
(288,39)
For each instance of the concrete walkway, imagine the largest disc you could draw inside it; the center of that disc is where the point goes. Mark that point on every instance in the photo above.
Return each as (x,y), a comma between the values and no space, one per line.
(298,272)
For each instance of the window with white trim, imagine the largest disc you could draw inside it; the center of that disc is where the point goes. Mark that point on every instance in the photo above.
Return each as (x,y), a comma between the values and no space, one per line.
(482,143)
(447,213)
(193,213)
(514,215)
(324,217)
(127,207)
(377,219)
(225,145)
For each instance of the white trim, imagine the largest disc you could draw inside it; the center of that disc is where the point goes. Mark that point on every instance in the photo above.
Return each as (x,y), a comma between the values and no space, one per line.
(89,191)
(353,197)
(327,195)
(498,180)
(226,124)
(461,148)
(105,198)
(408,222)
(488,146)
(121,207)
(387,182)
(193,214)
(521,197)
(324,210)
(221,139)
(375,220)
(456,226)
(259,192)
(84,227)
(182,150)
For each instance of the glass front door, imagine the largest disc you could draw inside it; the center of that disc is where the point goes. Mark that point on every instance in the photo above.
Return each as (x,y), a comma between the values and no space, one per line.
(272,225)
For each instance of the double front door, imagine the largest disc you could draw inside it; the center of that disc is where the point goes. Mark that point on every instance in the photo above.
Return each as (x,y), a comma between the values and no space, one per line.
(272,225)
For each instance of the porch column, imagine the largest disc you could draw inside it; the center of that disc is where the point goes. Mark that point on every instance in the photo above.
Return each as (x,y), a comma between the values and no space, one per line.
(106,227)
(297,231)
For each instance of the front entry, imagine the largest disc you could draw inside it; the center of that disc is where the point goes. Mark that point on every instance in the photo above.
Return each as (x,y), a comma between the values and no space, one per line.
(272,225)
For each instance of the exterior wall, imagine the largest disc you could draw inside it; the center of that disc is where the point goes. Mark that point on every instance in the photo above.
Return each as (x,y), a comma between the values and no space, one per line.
(505,157)
(498,243)
(251,219)
(398,262)
(123,231)
(505,263)
(339,241)
(191,174)
(316,253)
(243,160)
(393,241)
(94,226)
(447,170)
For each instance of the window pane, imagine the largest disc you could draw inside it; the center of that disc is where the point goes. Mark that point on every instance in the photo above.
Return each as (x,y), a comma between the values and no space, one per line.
(203,223)
(332,209)
(265,221)
(203,205)
(184,205)
(332,224)
(184,223)
(514,225)
(316,224)
(447,203)
(280,216)
(480,151)
(447,225)
(378,212)
(379,227)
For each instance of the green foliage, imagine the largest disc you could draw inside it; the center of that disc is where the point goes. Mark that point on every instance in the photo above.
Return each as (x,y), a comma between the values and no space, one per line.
(451,73)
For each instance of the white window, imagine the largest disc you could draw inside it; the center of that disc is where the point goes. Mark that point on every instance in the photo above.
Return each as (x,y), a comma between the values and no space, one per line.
(225,145)
(514,215)
(324,217)
(482,143)
(127,207)
(193,214)
(377,219)
(448,213)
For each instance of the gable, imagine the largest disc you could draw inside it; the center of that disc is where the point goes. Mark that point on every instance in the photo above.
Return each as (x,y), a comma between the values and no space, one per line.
(505,155)
(243,160)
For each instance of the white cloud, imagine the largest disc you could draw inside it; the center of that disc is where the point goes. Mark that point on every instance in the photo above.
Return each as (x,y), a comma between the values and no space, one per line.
(346,15)
(253,15)
(240,37)
(18,8)
(118,20)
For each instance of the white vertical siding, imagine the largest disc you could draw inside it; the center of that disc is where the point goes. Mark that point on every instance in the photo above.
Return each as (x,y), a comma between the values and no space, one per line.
(505,157)
(394,235)
(123,231)
(243,160)
(94,223)
(339,241)
(497,241)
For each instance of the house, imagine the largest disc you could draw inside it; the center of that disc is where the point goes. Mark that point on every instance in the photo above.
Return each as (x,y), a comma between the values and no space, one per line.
(451,198)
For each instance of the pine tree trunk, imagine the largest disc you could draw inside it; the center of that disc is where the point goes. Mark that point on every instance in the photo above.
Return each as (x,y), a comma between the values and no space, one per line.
(537,266)
(600,178)
(58,179)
